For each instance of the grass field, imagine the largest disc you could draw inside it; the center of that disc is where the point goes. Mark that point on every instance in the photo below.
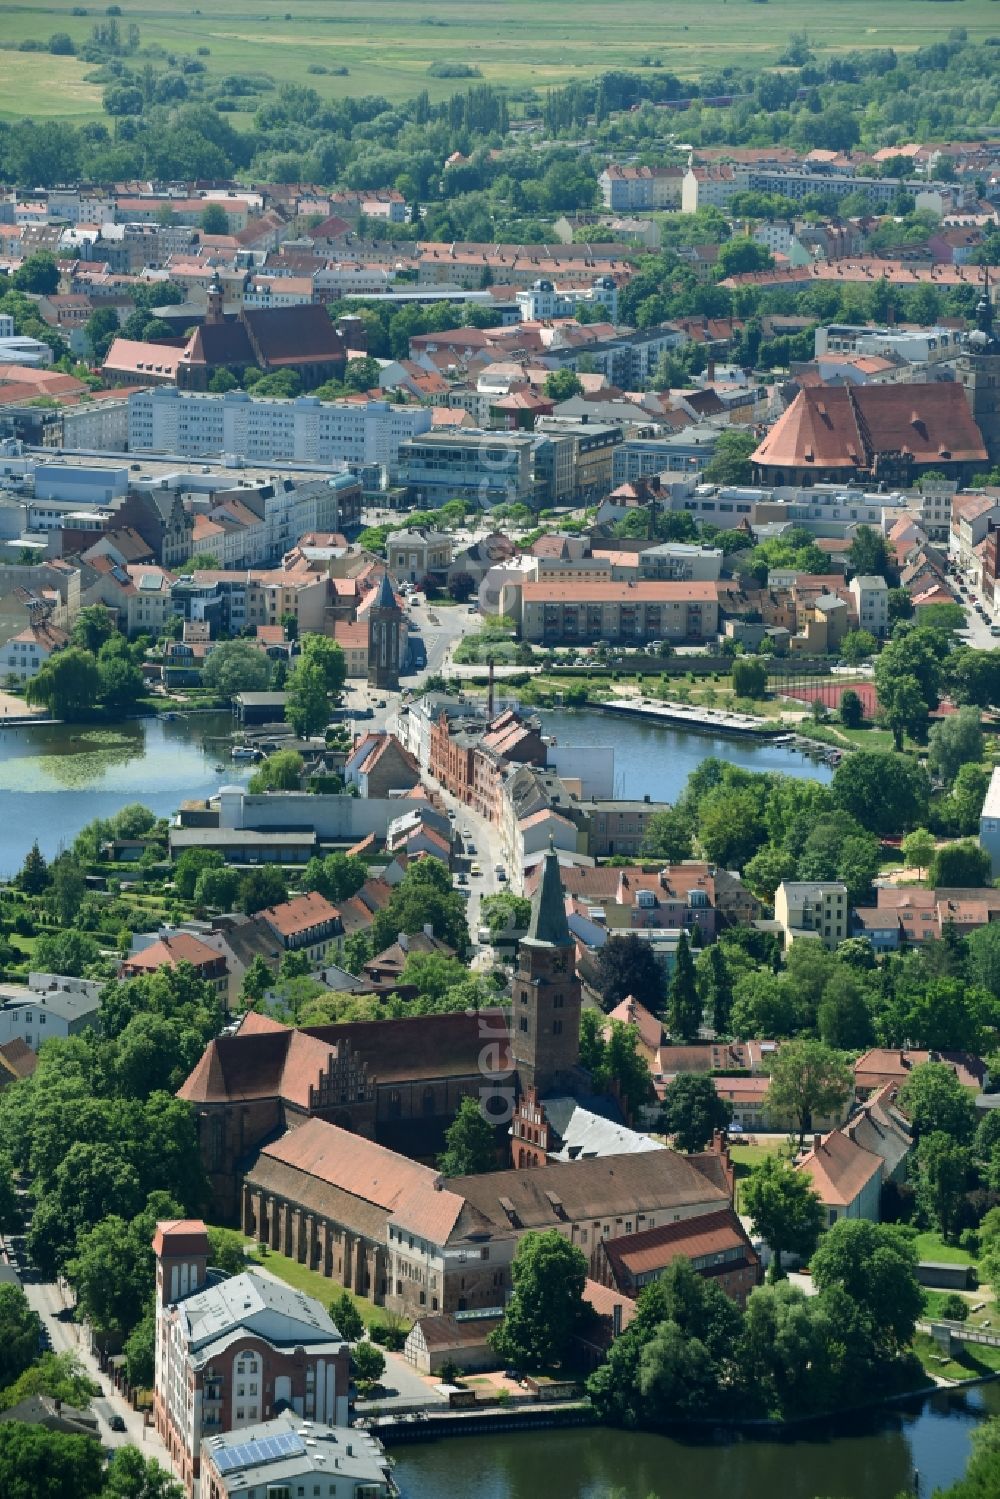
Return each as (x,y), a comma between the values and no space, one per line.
(314,1284)
(388,46)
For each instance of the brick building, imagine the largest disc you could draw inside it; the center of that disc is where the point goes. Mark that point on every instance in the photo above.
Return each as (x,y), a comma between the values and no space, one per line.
(716,1244)
(229,1351)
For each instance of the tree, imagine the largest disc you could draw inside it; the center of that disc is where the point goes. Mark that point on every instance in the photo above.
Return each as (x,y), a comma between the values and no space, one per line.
(808,1078)
(667,837)
(982,1477)
(960,865)
(68,952)
(716,982)
(935,1102)
(338,876)
(38,273)
(257,979)
(918,849)
(369,1363)
(132,1476)
(346,1317)
(505,912)
(235,666)
(58,1375)
(944,1167)
(684,1001)
(260,888)
(883,792)
(843,1014)
(857,646)
(470,1142)
(281,771)
(362,374)
(307,708)
(627,967)
(902,709)
(33,876)
(562,385)
(956,741)
(967,797)
(67,685)
(546,1302)
(783,1208)
(766,870)
(329,657)
(877,1266)
(190,865)
(36,1463)
(219,888)
(214,219)
(140,1352)
(19,1331)
(730,463)
(120,682)
(868,553)
(424,897)
(983,957)
(749,677)
(741,254)
(693,1110)
(101,330)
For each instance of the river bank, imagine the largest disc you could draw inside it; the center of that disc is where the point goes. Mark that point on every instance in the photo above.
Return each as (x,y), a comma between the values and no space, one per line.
(869,1455)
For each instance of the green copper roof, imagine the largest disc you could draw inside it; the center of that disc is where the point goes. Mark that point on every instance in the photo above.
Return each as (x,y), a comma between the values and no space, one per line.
(548,911)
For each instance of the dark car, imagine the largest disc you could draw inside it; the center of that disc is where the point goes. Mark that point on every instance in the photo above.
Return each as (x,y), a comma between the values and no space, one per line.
(117,1423)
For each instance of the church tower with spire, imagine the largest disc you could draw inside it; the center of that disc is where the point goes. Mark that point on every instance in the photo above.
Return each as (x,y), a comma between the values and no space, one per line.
(385,629)
(979,372)
(545,1009)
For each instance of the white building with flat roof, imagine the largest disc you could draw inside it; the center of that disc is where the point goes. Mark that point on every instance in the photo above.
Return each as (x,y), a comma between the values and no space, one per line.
(270,430)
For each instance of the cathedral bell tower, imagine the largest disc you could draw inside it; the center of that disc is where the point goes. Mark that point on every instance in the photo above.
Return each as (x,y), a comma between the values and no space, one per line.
(979,372)
(545,1010)
(385,627)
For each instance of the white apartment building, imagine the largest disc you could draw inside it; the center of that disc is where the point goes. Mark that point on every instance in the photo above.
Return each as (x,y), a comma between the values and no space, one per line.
(542,301)
(269,430)
(871,602)
(50,1004)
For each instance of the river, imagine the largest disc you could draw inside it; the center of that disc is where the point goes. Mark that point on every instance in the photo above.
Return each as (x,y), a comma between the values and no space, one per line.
(870,1459)
(54,779)
(656,762)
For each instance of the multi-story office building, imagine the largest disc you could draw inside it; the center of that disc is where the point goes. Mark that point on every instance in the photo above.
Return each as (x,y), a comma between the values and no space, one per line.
(265,430)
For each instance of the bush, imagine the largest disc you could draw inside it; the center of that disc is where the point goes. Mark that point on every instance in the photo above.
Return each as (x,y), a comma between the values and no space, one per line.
(388,1335)
(953,1308)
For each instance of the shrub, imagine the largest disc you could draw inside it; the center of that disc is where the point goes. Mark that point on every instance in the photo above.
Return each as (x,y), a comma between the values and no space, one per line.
(953,1308)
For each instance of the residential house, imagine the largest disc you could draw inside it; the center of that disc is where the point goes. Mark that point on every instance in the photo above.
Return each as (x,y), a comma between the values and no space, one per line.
(307,923)
(170,952)
(23,656)
(716,1245)
(813,909)
(871,604)
(378,765)
(418,556)
(48,1005)
(886,1066)
(846,1177)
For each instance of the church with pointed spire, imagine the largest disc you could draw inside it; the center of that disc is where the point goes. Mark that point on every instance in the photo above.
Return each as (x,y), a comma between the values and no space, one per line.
(979,373)
(547,997)
(385,637)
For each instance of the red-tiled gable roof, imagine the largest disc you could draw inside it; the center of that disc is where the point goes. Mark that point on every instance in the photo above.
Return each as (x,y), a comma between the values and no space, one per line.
(631,1012)
(17,1059)
(839,1169)
(352,1163)
(169,951)
(603,1300)
(837,426)
(691,1239)
(884,1065)
(421,1046)
(293,917)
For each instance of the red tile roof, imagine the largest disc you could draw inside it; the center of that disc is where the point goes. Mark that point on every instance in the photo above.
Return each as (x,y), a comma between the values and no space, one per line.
(842,427)
(293,917)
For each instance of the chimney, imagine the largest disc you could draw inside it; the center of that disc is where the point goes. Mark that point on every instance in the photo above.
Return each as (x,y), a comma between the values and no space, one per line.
(403,941)
(428,929)
(817,1142)
(616,1319)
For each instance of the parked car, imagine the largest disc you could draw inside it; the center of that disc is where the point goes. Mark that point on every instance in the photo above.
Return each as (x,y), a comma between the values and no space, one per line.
(117,1423)
(476,869)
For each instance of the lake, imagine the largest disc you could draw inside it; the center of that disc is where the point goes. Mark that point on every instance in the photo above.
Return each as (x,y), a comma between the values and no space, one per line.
(54,779)
(656,762)
(871,1458)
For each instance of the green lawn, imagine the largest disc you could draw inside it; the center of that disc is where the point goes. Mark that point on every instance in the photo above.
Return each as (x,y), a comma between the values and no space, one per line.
(973,1361)
(318,1285)
(745,1157)
(931,1246)
(934,1301)
(388,48)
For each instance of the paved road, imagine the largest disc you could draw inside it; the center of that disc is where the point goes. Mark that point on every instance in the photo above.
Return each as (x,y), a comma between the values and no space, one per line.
(48,1300)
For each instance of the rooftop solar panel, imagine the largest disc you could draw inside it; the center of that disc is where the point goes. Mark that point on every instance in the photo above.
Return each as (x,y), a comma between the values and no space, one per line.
(263,1450)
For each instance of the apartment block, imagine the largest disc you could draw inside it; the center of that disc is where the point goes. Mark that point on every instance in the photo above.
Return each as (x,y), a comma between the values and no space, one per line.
(623,613)
(813,910)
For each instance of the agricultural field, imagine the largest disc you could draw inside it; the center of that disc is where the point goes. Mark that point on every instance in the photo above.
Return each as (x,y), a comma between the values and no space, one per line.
(389,46)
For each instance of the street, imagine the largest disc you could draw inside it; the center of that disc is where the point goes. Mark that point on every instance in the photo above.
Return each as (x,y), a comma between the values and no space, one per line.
(66,1336)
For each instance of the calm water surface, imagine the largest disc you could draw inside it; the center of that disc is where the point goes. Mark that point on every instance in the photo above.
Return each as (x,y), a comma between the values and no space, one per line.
(871,1460)
(655,761)
(54,780)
